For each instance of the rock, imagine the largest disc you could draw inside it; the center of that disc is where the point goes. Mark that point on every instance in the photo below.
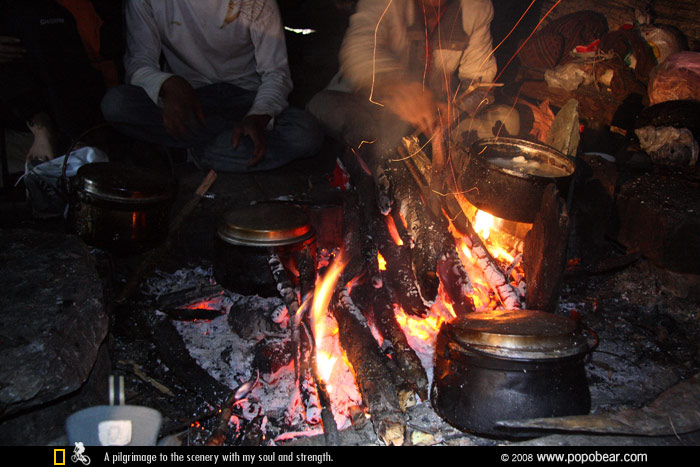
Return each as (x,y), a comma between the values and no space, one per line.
(53,318)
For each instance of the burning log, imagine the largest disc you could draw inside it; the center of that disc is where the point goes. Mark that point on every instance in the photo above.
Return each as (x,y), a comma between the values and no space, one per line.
(456,206)
(372,377)
(330,429)
(367,219)
(184,297)
(456,283)
(407,362)
(221,430)
(191,314)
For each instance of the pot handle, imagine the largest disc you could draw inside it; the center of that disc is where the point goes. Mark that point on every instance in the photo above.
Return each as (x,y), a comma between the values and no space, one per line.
(594,336)
(63,182)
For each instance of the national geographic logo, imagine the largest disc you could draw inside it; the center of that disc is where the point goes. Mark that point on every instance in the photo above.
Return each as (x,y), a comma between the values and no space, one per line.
(59,457)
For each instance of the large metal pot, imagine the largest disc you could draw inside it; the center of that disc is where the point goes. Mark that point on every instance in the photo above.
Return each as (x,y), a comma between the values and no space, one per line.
(506,176)
(509,365)
(119,207)
(246,237)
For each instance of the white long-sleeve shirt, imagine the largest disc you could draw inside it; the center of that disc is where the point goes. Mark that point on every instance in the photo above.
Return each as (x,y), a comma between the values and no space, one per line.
(377,42)
(239,42)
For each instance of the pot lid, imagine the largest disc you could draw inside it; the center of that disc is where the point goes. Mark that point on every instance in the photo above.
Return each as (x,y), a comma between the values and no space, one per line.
(520,334)
(265,224)
(118,182)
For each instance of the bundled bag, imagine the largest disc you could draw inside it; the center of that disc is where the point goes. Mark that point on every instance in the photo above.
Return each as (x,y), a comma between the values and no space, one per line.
(677,78)
(44,181)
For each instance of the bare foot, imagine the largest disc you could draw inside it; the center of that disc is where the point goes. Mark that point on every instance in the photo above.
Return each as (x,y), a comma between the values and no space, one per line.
(44,145)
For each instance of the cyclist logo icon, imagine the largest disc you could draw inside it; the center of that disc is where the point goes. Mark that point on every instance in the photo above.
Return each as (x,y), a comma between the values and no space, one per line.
(78,454)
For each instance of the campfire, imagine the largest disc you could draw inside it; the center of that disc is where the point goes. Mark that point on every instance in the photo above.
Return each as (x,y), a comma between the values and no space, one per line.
(353,339)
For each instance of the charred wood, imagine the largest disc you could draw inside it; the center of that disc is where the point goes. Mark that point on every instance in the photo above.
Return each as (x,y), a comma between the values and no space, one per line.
(187,296)
(545,253)
(363,218)
(176,357)
(371,374)
(455,282)
(389,339)
(495,277)
(330,429)
(407,362)
(191,314)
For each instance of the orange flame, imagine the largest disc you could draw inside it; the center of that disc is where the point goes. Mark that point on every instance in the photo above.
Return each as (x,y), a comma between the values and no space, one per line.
(381,261)
(393,231)
(322,297)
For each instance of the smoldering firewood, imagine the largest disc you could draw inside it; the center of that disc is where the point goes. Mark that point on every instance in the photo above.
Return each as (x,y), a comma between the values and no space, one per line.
(192,314)
(221,428)
(253,433)
(405,357)
(371,375)
(433,231)
(365,297)
(300,347)
(399,273)
(330,429)
(291,300)
(455,282)
(187,296)
(495,277)
(364,218)
(426,241)
(270,355)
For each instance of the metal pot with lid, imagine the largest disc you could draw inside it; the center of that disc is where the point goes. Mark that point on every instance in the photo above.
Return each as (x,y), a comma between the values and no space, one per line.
(245,238)
(509,365)
(120,207)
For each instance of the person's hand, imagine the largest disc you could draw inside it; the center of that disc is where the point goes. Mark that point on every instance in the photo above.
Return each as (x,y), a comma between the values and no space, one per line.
(414,104)
(10,49)
(182,109)
(252,126)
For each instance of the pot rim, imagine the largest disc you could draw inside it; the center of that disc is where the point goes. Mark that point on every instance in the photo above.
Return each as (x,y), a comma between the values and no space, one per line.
(265,225)
(565,162)
(119,183)
(519,334)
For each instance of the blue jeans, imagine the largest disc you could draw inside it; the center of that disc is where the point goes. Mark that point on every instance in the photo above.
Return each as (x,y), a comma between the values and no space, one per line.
(294,134)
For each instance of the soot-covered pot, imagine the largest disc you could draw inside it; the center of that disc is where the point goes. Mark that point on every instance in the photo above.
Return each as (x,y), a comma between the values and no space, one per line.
(509,365)
(120,207)
(507,176)
(246,237)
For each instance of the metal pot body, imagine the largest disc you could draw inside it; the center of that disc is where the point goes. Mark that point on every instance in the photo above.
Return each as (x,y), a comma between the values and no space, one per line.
(509,365)
(513,191)
(245,269)
(118,227)
(474,391)
(247,237)
(120,208)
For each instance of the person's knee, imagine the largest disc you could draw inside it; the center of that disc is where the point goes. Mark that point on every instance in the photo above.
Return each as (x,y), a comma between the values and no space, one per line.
(304,135)
(111,104)
(121,104)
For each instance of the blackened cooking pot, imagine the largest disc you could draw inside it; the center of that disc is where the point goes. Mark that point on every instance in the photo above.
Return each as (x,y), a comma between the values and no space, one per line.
(119,207)
(507,176)
(246,237)
(509,365)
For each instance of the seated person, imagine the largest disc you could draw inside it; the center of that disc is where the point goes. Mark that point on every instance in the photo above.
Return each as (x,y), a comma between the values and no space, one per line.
(408,59)
(46,79)
(222,91)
